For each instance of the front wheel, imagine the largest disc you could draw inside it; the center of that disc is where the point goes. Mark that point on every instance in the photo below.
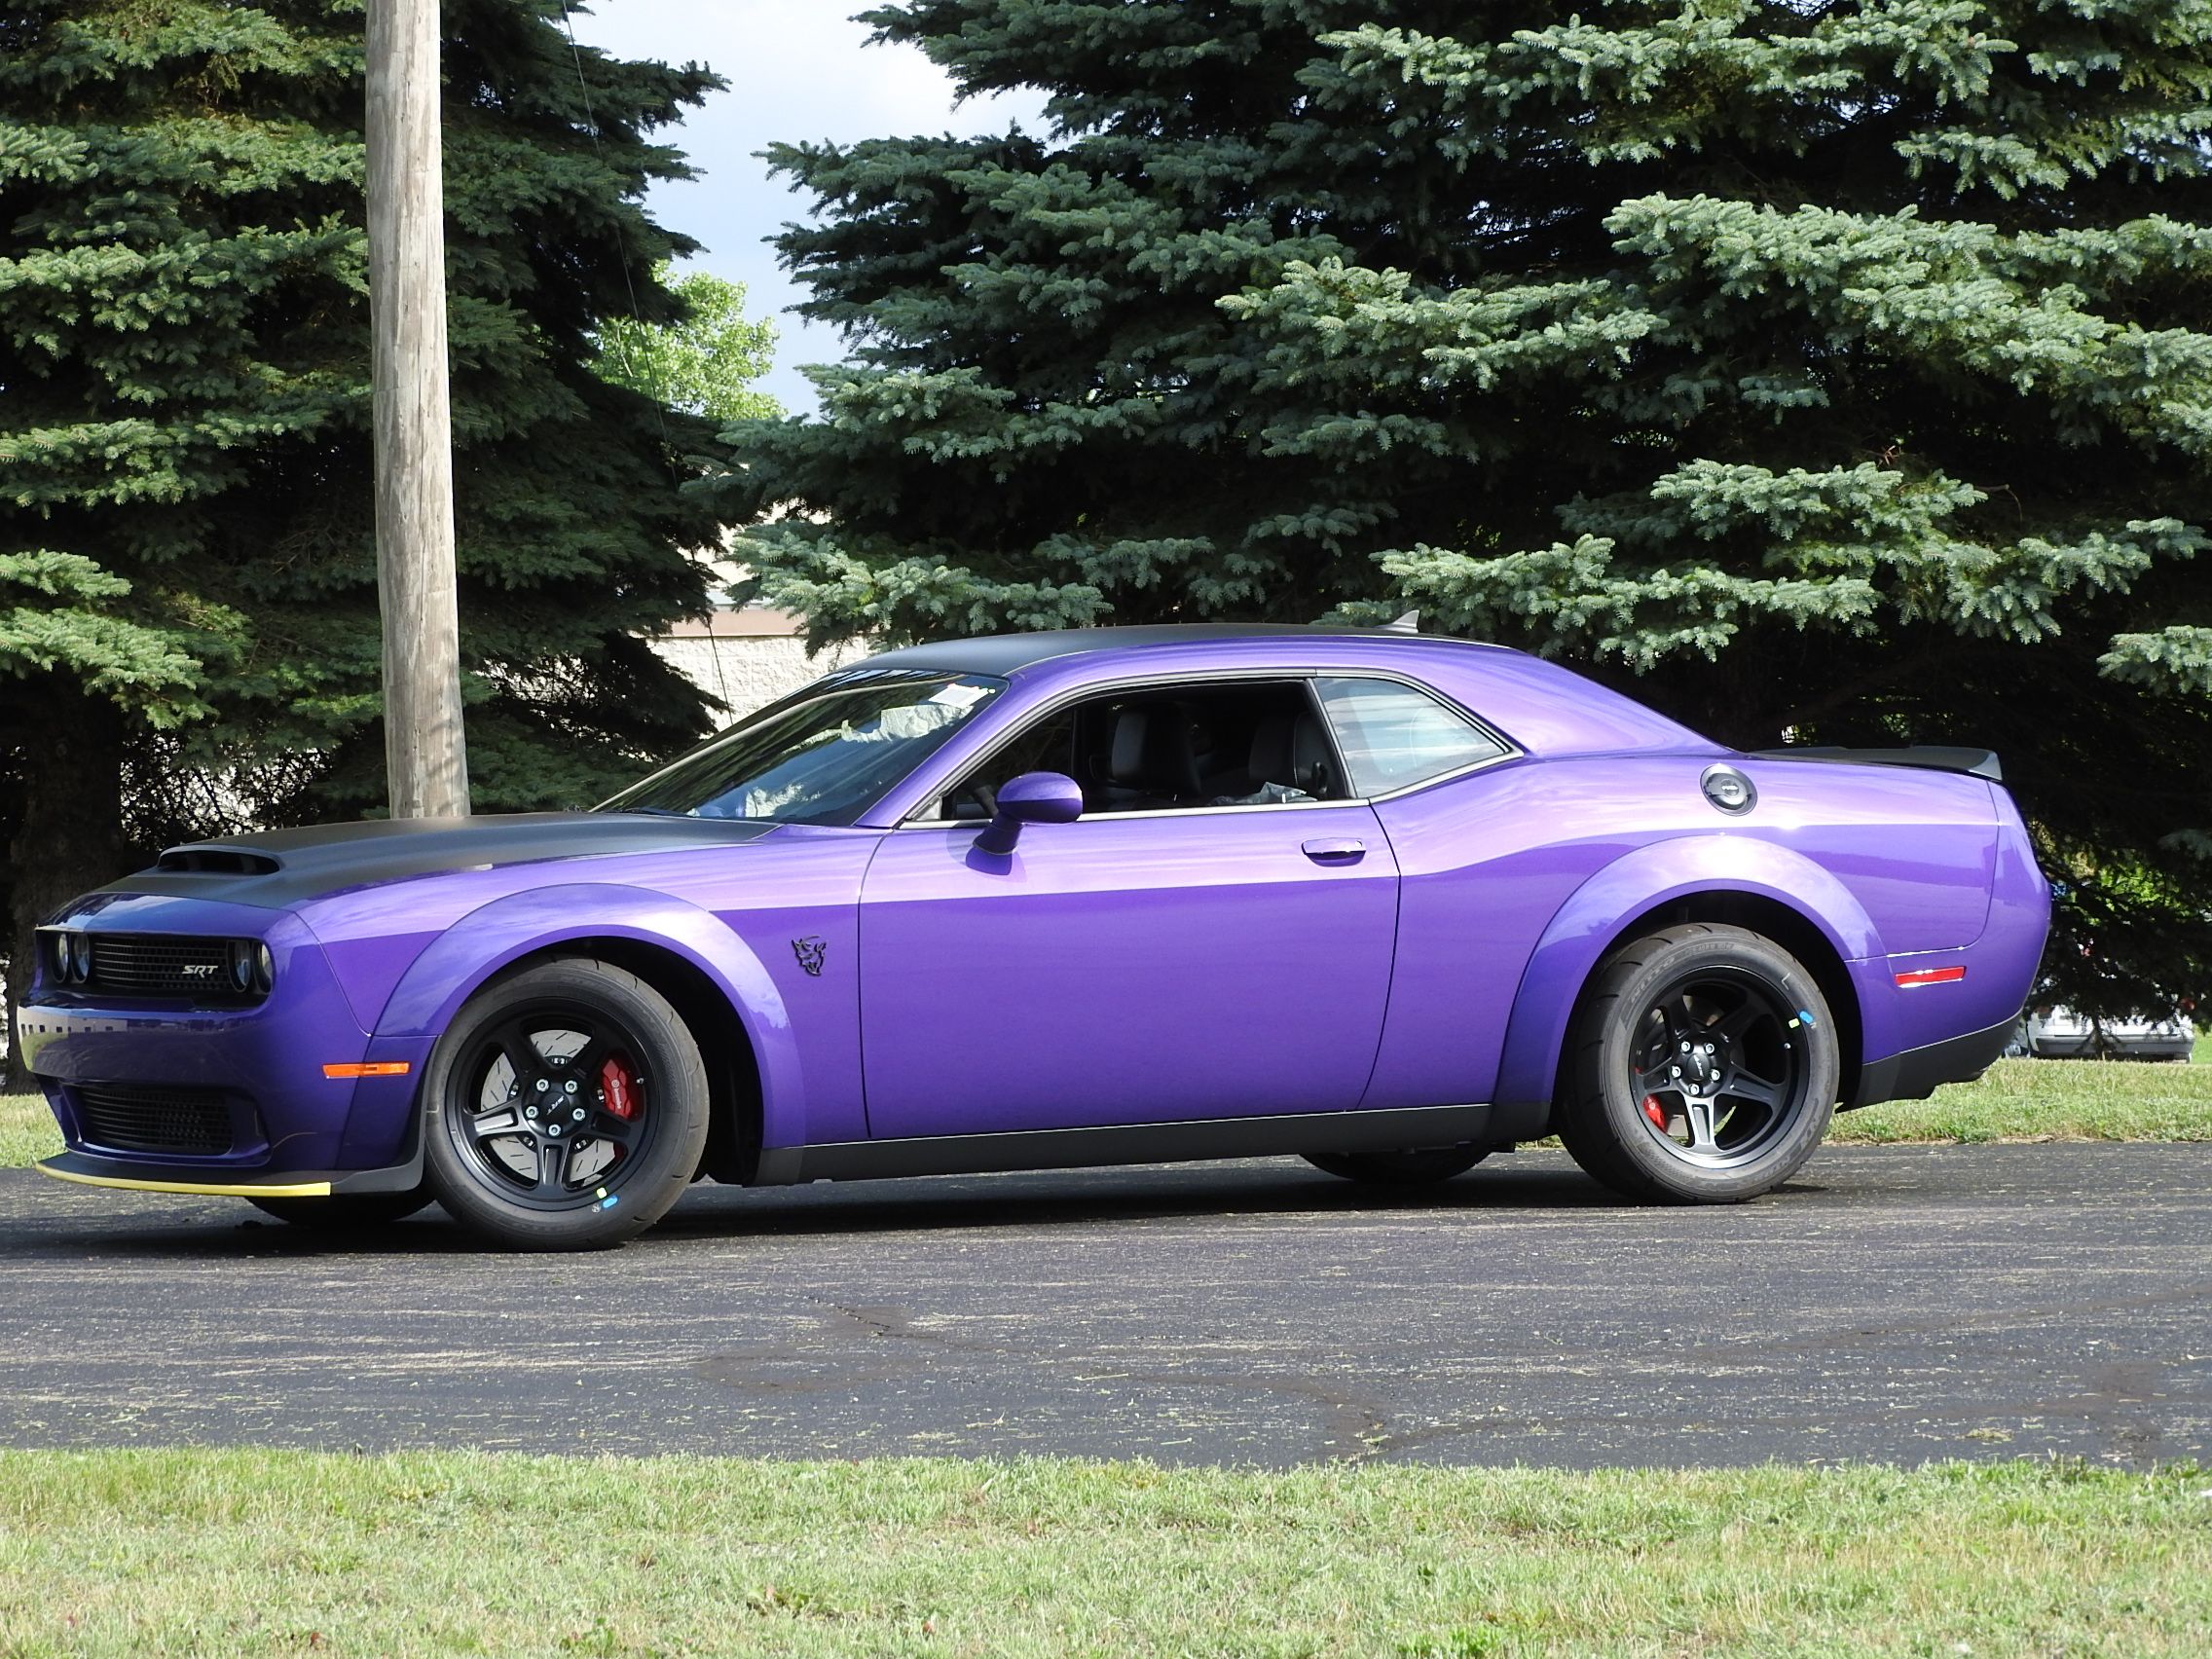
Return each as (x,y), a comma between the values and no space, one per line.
(1703,1067)
(566,1110)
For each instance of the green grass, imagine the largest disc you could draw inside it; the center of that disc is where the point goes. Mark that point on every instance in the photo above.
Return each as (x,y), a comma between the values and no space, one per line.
(2019,1100)
(2050,1100)
(26,1131)
(156,1553)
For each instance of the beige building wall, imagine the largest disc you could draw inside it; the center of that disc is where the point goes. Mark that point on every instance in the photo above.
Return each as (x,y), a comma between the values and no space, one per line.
(748,657)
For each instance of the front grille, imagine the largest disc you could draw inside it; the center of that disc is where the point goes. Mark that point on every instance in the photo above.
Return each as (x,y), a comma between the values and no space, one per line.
(163,964)
(195,1121)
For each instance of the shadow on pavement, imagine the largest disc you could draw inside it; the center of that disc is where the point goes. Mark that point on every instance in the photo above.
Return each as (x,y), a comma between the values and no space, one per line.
(936,1204)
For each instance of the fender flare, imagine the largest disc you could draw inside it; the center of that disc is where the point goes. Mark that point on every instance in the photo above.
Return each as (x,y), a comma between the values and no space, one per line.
(1658,873)
(493,938)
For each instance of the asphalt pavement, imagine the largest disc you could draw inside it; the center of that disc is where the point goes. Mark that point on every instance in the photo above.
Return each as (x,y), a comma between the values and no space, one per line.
(1897,1303)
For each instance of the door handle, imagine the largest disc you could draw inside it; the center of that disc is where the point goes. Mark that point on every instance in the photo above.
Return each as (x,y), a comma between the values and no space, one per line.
(1336,850)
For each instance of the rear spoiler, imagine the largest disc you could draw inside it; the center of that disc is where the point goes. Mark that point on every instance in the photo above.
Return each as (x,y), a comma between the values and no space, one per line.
(1932,757)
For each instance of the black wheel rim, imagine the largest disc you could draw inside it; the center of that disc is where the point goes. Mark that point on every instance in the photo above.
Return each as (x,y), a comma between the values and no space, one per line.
(551,1107)
(1718,1068)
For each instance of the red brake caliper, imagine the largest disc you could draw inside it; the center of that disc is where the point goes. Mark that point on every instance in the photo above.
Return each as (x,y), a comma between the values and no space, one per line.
(1652,1109)
(618,1087)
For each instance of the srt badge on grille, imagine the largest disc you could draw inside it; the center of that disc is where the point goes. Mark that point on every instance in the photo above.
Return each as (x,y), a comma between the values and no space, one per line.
(810,951)
(198,970)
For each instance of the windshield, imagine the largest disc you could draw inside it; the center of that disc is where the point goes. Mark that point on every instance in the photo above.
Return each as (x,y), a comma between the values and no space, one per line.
(820,756)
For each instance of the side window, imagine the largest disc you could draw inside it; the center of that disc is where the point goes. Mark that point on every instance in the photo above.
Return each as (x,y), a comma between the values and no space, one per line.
(1046,747)
(1171,748)
(1393,736)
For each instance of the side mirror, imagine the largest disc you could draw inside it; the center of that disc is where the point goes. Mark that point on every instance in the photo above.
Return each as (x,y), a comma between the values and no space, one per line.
(1034,797)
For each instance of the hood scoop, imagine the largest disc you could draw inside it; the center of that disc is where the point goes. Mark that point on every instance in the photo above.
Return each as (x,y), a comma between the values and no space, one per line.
(217,861)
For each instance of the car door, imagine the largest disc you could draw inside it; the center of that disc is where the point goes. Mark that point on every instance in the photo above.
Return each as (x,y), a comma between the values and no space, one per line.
(1146,963)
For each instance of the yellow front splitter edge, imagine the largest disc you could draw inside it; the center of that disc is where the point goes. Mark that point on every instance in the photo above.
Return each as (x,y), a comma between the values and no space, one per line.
(197,1188)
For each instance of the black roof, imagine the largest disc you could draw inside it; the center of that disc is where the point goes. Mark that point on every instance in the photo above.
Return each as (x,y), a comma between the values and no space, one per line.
(1003,653)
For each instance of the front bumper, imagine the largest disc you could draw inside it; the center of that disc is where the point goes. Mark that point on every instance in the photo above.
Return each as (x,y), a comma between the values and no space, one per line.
(140,1175)
(267,1069)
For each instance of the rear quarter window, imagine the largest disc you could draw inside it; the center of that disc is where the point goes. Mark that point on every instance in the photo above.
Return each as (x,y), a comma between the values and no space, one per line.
(1393,736)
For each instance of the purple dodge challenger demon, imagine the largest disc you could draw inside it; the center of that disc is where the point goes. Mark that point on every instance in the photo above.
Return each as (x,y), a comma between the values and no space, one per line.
(1123,894)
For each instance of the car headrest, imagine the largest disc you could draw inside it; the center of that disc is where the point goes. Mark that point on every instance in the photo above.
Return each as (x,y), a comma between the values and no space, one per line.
(1152,751)
(1290,749)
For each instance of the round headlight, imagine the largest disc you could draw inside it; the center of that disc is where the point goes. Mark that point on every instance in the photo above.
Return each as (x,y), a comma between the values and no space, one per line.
(79,956)
(263,970)
(60,958)
(242,965)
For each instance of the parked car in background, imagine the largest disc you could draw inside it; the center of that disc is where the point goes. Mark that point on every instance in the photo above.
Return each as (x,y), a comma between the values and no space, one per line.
(1389,902)
(2061,1034)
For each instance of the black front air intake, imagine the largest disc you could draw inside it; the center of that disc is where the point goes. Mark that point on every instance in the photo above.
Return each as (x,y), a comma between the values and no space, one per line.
(126,1117)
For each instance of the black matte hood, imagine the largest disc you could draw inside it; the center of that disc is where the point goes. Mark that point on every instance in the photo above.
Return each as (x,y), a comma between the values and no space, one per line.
(289,867)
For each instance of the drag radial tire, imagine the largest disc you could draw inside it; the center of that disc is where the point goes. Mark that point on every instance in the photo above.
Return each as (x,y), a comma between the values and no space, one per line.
(345,1212)
(565,1109)
(1702,1067)
(1414,1168)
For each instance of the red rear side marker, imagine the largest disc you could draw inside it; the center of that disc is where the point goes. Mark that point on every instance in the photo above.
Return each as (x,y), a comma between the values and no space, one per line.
(1931,976)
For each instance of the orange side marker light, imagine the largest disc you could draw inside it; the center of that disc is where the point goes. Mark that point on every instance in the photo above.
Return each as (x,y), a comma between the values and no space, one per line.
(370,1068)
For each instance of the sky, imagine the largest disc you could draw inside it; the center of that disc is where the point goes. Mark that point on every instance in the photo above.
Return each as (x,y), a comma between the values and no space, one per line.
(799,70)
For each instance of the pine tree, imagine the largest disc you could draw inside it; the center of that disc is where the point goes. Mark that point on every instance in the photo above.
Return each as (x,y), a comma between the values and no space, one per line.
(1839,370)
(188,615)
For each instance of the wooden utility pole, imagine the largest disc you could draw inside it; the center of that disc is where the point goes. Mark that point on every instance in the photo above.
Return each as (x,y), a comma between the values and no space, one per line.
(424,754)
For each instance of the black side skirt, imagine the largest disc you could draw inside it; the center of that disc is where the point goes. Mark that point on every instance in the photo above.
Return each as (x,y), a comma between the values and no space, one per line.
(1138,1143)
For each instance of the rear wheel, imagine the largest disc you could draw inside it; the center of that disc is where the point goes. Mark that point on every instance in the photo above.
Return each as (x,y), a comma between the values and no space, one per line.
(566,1110)
(1415,1169)
(345,1212)
(1703,1068)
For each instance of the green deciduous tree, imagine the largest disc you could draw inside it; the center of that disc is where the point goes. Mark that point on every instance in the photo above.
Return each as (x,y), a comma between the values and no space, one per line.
(704,362)
(188,617)
(1833,368)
